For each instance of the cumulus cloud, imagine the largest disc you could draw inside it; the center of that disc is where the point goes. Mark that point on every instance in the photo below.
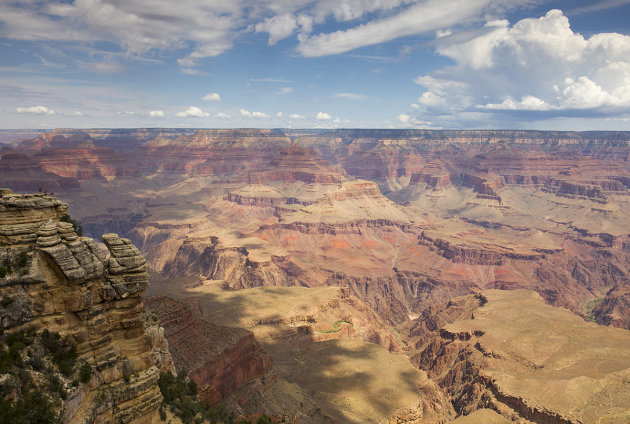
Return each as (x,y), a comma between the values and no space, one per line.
(222,115)
(285,90)
(323,116)
(254,114)
(211,97)
(192,112)
(156,114)
(296,116)
(36,110)
(403,118)
(537,64)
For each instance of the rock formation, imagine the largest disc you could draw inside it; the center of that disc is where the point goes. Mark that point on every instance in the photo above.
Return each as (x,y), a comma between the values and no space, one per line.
(508,351)
(219,359)
(64,283)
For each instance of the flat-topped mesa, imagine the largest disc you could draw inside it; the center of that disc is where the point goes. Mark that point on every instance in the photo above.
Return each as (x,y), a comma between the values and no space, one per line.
(240,137)
(356,190)
(64,283)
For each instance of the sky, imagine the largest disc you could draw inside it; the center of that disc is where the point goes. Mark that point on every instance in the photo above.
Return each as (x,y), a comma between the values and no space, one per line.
(441,64)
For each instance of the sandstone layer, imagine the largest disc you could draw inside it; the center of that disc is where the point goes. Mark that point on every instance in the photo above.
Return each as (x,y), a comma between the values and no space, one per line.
(67,285)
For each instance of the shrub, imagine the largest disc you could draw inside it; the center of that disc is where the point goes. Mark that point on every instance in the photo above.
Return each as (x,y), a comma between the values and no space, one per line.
(64,355)
(34,407)
(22,259)
(85,372)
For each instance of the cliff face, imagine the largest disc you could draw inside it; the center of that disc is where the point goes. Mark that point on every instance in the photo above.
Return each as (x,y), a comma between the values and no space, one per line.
(497,350)
(219,359)
(63,283)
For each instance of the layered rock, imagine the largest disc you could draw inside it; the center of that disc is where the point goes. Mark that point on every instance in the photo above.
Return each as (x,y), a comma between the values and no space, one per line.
(69,286)
(505,356)
(21,173)
(219,359)
(296,163)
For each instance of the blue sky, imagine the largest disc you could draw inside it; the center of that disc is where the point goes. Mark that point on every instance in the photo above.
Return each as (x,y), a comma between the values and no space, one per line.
(530,64)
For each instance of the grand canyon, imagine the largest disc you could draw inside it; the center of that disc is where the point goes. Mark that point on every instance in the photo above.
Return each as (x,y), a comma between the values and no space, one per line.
(326,276)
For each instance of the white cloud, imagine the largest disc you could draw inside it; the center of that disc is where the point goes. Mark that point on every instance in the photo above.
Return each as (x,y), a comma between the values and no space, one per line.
(323,116)
(429,15)
(285,90)
(296,116)
(156,114)
(76,113)
(211,97)
(430,99)
(192,112)
(222,115)
(407,121)
(414,106)
(536,65)
(526,103)
(139,27)
(36,110)
(279,115)
(254,114)
(351,96)
(279,27)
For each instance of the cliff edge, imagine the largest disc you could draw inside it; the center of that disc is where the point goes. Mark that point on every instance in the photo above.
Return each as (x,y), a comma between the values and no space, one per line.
(74,317)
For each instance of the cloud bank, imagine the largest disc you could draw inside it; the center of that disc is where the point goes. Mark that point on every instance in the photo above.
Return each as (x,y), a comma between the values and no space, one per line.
(536,65)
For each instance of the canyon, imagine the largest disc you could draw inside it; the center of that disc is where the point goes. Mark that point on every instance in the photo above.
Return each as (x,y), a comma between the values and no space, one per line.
(367,247)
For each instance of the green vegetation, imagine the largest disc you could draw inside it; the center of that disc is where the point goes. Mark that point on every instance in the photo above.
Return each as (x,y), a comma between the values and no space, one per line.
(180,395)
(588,309)
(6,301)
(336,326)
(33,407)
(63,354)
(85,372)
(22,353)
(75,224)
(12,262)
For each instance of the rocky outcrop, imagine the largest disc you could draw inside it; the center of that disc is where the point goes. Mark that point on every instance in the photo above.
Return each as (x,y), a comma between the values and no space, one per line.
(231,264)
(66,284)
(219,359)
(614,310)
(494,357)
(264,202)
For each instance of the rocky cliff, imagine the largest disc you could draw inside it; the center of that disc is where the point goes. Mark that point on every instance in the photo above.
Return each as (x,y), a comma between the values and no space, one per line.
(221,360)
(56,282)
(498,350)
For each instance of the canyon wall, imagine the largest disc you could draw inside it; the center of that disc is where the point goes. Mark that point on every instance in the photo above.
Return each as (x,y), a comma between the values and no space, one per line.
(63,283)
